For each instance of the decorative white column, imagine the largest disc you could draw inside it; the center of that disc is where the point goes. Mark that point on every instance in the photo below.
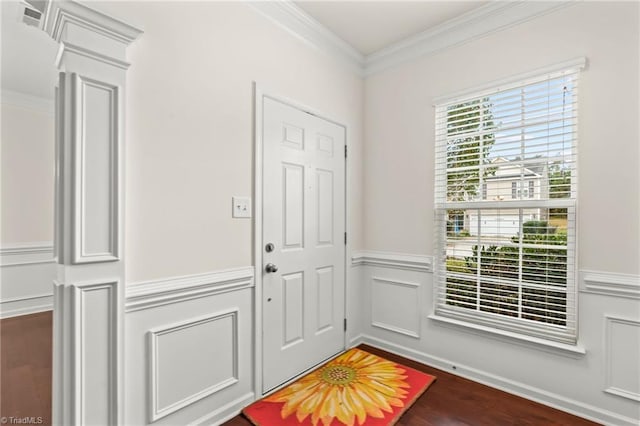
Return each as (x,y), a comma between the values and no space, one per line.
(88,294)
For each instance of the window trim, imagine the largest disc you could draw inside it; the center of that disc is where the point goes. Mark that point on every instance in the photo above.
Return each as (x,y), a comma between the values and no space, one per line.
(519,329)
(509,82)
(553,346)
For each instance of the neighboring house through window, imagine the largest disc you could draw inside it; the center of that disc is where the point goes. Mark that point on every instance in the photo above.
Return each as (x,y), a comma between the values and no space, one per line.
(505,205)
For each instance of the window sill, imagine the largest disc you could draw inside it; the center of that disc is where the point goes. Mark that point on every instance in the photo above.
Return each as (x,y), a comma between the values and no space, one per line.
(511,337)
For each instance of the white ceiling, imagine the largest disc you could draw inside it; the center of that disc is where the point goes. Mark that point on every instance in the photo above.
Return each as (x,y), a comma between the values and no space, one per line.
(28,55)
(370,26)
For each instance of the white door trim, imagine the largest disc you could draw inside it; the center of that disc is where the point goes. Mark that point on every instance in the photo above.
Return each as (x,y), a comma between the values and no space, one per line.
(258,93)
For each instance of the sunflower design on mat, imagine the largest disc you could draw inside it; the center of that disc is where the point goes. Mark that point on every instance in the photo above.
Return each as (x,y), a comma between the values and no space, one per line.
(353,386)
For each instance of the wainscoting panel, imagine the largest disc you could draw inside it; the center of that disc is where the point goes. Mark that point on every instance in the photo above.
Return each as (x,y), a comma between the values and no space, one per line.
(600,382)
(208,345)
(622,349)
(189,354)
(395,306)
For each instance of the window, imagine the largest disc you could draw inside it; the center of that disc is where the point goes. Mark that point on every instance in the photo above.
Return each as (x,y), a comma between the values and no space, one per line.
(506,177)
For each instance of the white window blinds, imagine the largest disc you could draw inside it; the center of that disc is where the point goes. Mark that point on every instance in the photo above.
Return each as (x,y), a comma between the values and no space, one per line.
(505,196)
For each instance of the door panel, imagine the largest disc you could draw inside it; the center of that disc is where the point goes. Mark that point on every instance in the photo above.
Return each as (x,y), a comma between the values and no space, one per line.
(293,202)
(325,207)
(304,218)
(293,308)
(324,305)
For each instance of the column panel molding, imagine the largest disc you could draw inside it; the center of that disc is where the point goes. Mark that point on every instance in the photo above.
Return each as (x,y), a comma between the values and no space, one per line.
(88,369)
(87,224)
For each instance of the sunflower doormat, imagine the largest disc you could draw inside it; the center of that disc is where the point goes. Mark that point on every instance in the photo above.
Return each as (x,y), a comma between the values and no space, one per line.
(356,388)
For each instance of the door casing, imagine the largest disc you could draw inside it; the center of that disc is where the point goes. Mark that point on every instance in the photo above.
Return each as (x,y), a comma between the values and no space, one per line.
(258,94)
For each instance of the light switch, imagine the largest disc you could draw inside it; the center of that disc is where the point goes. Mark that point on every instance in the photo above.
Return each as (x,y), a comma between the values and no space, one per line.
(241,207)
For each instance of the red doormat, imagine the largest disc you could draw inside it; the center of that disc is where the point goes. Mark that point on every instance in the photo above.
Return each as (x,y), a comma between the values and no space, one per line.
(356,388)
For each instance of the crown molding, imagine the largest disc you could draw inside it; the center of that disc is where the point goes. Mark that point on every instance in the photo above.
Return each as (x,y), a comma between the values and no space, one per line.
(490,18)
(484,20)
(300,24)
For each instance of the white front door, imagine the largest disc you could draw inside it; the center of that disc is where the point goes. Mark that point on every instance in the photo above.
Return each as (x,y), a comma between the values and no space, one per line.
(304,239)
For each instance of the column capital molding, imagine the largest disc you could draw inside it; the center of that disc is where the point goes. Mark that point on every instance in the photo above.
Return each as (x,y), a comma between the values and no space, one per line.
(60,15)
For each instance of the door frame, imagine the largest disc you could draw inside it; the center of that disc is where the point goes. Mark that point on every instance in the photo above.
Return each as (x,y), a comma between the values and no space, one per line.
(258,94)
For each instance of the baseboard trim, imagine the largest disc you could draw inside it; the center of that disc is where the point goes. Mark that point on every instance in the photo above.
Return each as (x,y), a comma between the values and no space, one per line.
(355,341)
(226,412)
(534,394)
(26,305)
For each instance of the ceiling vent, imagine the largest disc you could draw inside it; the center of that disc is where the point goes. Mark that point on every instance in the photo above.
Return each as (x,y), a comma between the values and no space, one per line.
(31,12)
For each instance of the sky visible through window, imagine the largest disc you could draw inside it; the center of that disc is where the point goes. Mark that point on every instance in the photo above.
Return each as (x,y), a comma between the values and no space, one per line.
(532,121)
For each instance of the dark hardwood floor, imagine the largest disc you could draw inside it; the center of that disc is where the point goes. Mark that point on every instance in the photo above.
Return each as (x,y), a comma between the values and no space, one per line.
(25,368)
(25,358)
(452,400)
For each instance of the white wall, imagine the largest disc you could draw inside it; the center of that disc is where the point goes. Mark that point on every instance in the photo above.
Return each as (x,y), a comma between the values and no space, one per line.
(190,140)
(26,204)
(399,128)
(189,150)
(27,172)
(399,171)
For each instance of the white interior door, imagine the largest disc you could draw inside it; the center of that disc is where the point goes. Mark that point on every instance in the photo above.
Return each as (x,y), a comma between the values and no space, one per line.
(304,221)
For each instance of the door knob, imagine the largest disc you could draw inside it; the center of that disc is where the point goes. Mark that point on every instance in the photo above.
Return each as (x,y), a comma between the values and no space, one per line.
(270,267)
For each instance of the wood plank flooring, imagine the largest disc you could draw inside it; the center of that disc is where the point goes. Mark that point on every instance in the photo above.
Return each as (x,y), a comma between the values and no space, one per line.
(25,359)
(452,400)
(25,367)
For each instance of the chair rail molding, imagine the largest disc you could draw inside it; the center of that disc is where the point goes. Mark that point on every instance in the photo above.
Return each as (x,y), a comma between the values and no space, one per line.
(411,262)
(26,254)
(89,213)
(151,294)
(610,284)
(28,271)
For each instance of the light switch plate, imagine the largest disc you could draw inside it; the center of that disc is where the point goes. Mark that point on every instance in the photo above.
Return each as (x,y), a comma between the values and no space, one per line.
(241,207)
